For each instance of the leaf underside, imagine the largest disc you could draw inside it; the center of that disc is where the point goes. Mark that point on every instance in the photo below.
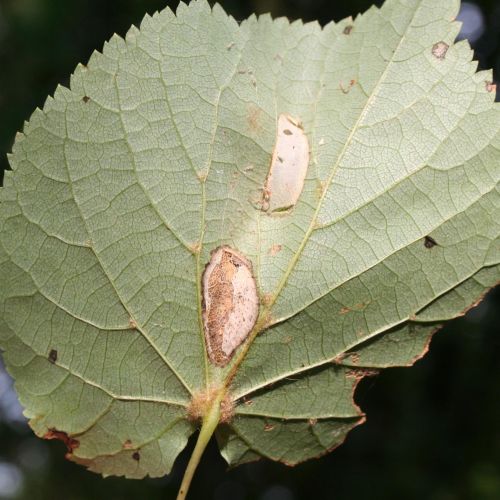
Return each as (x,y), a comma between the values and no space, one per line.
(122,186)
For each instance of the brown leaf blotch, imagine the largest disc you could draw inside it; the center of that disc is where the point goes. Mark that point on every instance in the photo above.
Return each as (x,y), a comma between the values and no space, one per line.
(275,249)
(85,99)
(226,409)
(230,304)
(201,403)
(347,30)
(266,299)
(359,373)
(337,360)
(491,87)
(127,445)
(254,121)
(136,456)
(354,358)
(346,89)
(440,49)
(70,442)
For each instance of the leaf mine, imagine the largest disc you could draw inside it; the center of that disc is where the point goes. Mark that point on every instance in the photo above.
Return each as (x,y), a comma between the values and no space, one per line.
(288,168)
(230,303)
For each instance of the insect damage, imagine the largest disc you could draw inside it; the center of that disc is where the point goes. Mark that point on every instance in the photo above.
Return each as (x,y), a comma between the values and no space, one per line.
(230,303)
(288,168)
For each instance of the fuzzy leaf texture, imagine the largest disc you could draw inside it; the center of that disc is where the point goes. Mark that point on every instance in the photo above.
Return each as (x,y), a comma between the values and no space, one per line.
(123,185)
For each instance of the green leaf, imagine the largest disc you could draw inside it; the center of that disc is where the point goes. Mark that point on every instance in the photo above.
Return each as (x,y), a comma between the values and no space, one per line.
(160,152)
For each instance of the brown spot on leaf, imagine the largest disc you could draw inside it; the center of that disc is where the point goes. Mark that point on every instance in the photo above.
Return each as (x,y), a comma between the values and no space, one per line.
(346,89)
(359,373)
(439,50)
(429,242)
(268,427)
(195,247)
(202,401)
(275,249)
(85,99)
(226,409)
(247,402)
(320,188)
(52,356)
(337,360)
(491,87)
(354,358)
(347,30)
(254,119)
(132,323)
(127,445)
(70,442)
(230,303)
(136,456)
(266,299)
(202,175)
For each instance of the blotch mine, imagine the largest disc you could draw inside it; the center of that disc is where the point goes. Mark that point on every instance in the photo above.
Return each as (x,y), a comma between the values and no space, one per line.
(288,169)
(230,303)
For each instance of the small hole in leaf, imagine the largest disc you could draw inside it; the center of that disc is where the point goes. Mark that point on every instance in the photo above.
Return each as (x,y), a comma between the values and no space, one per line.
(53,356)
(429,242)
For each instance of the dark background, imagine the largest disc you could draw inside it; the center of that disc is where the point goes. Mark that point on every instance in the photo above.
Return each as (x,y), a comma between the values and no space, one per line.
(433,431)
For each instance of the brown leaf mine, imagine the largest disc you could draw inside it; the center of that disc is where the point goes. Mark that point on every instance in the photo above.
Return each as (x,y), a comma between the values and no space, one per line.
(230,303)
(289,164)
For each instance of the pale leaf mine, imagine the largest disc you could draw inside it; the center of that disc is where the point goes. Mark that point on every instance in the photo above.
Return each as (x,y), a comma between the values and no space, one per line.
(288,168)
(230,303)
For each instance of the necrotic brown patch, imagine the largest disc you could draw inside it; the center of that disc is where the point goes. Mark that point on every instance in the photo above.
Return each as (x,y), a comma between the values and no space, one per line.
(230,303)
(439,50)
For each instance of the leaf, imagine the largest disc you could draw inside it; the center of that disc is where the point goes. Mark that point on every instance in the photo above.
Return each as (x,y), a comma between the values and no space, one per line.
(124,186)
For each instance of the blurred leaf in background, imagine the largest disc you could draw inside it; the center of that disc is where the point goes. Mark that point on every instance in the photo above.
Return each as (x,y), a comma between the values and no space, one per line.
(432,430)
